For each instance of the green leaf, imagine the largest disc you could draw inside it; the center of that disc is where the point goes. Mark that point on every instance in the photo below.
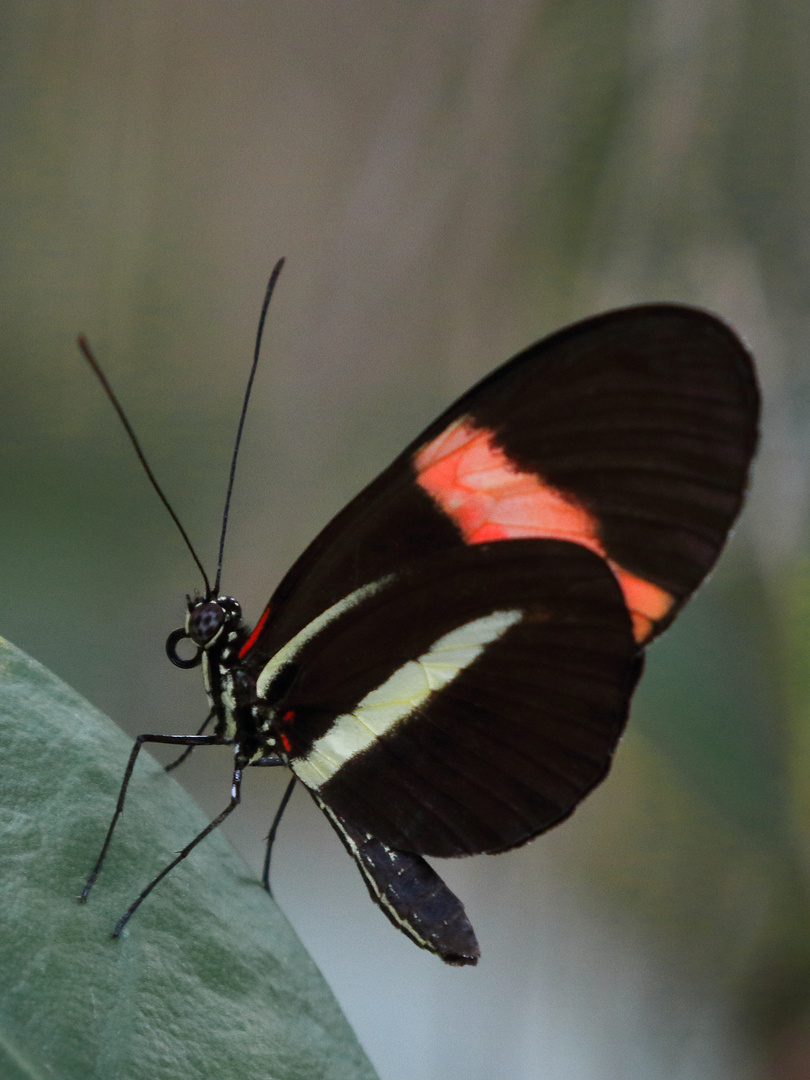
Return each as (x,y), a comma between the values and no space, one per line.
(208,980)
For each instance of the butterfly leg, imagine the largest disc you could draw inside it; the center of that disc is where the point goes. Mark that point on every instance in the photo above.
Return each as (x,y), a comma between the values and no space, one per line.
(236,788)
(179,761)
(271,836)
(411,894)
(172,740)
(270,760)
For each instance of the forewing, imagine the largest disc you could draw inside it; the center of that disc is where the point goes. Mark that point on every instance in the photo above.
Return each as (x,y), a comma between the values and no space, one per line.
(464,704)
(630,433)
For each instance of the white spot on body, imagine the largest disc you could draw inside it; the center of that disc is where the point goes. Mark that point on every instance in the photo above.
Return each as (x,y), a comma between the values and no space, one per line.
(206,667)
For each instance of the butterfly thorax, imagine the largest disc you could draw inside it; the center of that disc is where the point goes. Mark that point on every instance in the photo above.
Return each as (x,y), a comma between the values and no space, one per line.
(217,629)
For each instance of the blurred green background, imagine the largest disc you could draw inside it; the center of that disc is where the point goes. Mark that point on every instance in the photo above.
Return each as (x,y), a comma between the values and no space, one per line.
(449,181)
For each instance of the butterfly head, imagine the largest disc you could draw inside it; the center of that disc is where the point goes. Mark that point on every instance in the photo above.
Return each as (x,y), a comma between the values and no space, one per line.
(208,623)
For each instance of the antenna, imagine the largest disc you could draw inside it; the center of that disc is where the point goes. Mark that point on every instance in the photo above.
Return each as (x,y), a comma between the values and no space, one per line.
(85,347)
(268,293)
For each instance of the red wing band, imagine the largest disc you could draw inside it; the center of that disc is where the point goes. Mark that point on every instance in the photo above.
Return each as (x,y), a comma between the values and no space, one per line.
(472,480)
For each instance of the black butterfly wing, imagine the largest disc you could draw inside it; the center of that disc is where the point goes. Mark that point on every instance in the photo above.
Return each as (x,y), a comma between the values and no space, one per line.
(465,703)
(630,433)
(631,436)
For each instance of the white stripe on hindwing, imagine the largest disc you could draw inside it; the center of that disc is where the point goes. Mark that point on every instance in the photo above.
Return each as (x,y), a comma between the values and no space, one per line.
(399,695)
(295,644)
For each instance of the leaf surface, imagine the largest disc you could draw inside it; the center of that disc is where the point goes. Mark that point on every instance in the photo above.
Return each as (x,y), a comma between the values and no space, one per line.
(208,980)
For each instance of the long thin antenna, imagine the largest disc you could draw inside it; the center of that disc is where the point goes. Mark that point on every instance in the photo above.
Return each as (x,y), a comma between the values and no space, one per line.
(85,347)
(268,293)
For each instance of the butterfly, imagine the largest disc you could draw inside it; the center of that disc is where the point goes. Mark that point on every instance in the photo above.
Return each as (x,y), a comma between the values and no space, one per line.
(448,667)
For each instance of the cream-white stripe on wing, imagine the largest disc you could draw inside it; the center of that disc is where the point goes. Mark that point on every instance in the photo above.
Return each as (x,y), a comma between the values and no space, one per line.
(399,695)
(288,651)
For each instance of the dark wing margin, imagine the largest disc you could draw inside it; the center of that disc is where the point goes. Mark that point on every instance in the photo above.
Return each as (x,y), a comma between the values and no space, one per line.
(646,417)
(410,893)
(649,420)
(519,732)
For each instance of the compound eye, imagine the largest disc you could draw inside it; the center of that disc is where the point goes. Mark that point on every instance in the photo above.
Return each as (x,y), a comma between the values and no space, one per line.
(205,621)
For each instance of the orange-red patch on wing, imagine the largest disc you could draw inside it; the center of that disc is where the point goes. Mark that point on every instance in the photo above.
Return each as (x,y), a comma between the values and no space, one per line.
(646,603)
(473,481)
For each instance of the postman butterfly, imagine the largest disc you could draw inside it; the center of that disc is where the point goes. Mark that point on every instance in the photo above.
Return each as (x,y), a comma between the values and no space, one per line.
(448,667)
